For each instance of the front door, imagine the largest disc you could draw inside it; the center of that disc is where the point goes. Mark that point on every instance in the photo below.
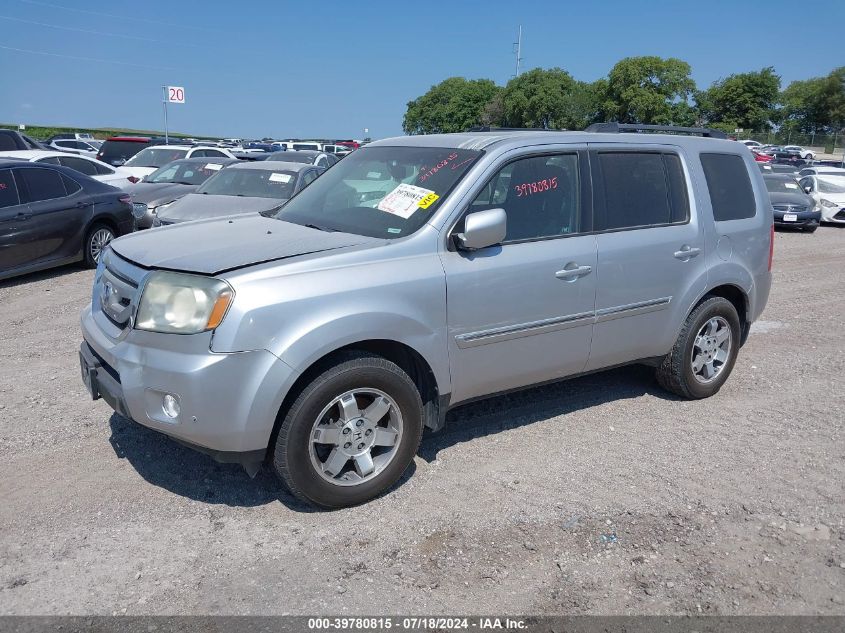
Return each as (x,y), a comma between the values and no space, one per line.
(521,312)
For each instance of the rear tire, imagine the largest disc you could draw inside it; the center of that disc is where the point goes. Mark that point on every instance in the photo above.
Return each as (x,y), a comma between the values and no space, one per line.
(351,433)
(705,351)
(96,239)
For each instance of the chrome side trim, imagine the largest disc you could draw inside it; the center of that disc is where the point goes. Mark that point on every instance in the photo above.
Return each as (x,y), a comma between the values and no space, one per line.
(631,309)
(495,335)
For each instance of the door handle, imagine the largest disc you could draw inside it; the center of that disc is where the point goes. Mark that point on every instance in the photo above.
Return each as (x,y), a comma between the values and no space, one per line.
(571,274)
(82,205)
(22,216)
(687,252)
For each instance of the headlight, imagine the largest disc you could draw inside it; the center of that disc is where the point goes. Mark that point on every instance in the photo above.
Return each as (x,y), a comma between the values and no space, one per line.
(178,303)
(162,207)
(828,203)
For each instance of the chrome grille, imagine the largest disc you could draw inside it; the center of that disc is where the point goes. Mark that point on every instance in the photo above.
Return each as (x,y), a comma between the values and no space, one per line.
(790,208)
(116,289)
(139,210)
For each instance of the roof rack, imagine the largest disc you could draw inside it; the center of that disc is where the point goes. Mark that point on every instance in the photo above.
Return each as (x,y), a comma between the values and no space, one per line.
(616,128)
(489,128)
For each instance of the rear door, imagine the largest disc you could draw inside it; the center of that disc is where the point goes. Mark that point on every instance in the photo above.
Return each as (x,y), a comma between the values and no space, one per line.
(14,225)
(650,251)
(59,210)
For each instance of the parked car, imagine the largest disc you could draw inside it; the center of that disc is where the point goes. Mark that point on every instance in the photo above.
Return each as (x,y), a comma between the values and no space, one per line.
(806,154)
(320,159)
(73,136)
(151,158)
(307,145)
(168,183)
(773,168)
(422,272)
(761,157)
(828,190)
(337,150)
(817,170)
(751,144)
(51,215)
(792,206)
(89,148)
(118,149)
(91,167)
(241,188)
(12,140)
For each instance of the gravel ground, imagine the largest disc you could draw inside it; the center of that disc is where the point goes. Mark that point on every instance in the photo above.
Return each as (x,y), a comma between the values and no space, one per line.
(599,495)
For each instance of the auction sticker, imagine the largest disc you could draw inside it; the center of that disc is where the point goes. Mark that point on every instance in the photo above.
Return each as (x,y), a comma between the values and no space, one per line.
(406,199)
(280,177)
(214,166)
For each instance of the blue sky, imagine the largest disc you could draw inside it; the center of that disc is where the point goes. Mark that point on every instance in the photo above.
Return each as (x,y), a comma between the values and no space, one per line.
(329,68)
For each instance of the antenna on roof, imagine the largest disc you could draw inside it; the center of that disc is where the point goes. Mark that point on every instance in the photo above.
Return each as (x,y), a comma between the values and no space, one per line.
(517,50)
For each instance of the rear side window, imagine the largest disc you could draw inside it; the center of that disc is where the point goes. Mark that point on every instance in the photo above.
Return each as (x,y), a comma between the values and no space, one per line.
(102,170)
(730,190)
(120,150)
(7,143)
(79,164)
(71,186)
(41,184)
(641,189)
(8,190)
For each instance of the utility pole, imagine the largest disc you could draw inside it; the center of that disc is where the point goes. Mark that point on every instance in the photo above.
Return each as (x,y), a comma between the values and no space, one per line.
(518,50)
(164,102)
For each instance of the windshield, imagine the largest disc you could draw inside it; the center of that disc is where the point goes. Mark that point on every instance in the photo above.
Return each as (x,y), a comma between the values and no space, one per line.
(156,157)
(835,184)
(380,191)
(291,157)
(258,183)
(782,185)
(186,172)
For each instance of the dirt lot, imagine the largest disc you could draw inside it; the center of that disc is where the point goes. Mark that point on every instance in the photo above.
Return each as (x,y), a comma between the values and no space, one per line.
(600,495)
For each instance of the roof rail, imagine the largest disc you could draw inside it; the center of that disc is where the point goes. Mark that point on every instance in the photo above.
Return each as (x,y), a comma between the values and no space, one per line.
(489,128)
(616,128)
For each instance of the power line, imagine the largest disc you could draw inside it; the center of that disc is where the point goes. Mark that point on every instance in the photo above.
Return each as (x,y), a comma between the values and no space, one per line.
(92,32)
(86,59)
(119,17)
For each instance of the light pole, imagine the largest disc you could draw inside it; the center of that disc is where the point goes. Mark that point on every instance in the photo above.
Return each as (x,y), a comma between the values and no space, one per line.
(164,103)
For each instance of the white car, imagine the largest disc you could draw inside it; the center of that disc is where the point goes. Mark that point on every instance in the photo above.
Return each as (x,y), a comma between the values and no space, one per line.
(828,191)
(751,144)
(83,147)
(98,170)
(803,153)
(312,145)
(151,158)
(821,170)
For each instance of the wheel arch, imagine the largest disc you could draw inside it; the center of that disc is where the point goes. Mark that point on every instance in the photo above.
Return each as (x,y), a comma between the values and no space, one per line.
(740,300)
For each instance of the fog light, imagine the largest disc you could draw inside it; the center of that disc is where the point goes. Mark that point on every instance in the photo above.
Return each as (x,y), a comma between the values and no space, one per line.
(170,406)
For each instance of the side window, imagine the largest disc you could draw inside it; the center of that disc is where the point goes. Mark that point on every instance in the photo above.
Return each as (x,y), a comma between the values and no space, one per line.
(807,182)
(309,177)
(41,184)
(79,164)
(200,153)
(71,186)
(730,190)
(214,152)
(541,196)
(102,170)
(8,190)
(322,161)
(641,189)
(51,160)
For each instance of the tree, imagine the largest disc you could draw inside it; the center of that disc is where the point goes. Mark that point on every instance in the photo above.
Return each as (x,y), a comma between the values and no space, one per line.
(744,100)
(549,99)
(453,105)
(648,90)
(816,105)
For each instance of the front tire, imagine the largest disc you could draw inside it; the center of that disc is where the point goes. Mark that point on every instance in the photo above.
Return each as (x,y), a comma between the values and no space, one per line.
(96,240)
(351,433)
(705,351)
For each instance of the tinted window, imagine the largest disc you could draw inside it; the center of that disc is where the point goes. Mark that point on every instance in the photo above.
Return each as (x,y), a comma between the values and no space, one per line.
(156,156)
(541,196)
(7,143)
(730,190)
(641,189)
(52,160)
(214,152)
(102,169)
(120,150)
(308,178)
(79,164)
(41,184)
(71,186)
(8,190)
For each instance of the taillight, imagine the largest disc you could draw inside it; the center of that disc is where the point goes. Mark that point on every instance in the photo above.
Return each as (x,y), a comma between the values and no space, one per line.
(125,199)
(133,179)
(771,245)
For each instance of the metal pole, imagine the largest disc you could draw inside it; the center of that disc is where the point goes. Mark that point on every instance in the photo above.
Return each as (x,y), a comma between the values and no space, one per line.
(164,102)
(518,50)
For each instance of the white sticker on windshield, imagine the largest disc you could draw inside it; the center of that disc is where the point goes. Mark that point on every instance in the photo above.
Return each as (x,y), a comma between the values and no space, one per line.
(280,177)
(213,166)
(404,200)
(791,185)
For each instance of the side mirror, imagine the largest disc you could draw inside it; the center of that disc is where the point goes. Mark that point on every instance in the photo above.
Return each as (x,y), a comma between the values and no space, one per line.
(483,229)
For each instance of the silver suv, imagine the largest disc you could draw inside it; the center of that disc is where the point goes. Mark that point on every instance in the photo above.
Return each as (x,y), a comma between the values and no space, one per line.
(423,272)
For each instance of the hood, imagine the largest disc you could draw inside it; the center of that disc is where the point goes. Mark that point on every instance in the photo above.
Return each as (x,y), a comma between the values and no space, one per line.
(215,246)
(200,206)
(795,199)
(153,194)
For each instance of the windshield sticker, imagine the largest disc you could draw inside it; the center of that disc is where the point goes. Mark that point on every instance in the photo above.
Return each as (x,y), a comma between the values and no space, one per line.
(538,186)
(213,166)
(429,200)
(280,177)
(394,230)
(791,185)
(428,172)
(405,200)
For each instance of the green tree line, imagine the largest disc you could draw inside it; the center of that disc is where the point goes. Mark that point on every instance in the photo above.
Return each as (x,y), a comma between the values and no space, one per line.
(636,90)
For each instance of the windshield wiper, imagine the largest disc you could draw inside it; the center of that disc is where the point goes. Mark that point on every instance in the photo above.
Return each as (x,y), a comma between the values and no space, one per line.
(320,228)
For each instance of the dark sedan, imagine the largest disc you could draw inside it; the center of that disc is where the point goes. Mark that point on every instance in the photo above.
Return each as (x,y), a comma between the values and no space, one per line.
(52,215)
(168,183)
(792,206)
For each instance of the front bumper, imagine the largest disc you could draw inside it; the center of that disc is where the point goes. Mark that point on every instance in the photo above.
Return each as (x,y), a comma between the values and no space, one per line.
(803,219)
(833,214)
(228,402)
